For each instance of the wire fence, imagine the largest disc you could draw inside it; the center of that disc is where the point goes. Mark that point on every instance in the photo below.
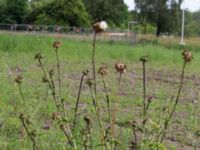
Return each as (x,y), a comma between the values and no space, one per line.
(111,34)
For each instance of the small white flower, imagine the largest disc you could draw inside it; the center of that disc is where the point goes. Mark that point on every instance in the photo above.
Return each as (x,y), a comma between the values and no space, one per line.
(103,25)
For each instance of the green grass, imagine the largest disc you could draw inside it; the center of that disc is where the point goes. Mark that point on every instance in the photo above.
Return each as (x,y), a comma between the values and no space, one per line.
(17,52)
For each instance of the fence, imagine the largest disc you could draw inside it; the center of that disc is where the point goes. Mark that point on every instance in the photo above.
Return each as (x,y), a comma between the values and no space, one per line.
(112,35)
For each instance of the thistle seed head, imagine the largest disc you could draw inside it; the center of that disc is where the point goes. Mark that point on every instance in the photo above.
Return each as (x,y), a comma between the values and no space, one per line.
(103,70)
(18,79)
(56,44)
(144,59)
(121,68)
(100,26)
(38,56)
(85,72)
(187,55)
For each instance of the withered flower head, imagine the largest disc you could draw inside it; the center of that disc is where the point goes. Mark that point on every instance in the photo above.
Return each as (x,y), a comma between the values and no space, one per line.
(87,119)
(100,26)
(56,44)
(33,133)
(51,72)
(150,98)
(44,79)
(90,82)
(62,126)
(121,68)
(55,116)
(18,79)
(103,70)
(197,133)
(144,59)
(38,56)
(28,121)
(85,72)
(21,116)
(187,55)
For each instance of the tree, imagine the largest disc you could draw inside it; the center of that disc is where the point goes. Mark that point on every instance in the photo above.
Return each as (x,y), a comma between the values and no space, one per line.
(15,11)
(60,12)
(164,14)
(115,12)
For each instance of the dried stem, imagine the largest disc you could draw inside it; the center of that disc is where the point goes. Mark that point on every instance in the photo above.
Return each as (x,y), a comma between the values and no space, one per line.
(58,70)
(78,98)
(62,127)
(115,107)
(30,135)
(98,118)
(144,91)
(107,99)
(23,99)
(53,91)
(167,121)
(93,63)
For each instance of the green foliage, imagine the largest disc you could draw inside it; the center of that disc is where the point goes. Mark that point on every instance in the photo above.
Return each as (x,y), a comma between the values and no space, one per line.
(61,12)
(163,14)
(14,11)
(115,12)
(192,22)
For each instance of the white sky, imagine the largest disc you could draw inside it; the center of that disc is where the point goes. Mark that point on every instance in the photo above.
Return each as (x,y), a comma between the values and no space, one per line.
(192,5)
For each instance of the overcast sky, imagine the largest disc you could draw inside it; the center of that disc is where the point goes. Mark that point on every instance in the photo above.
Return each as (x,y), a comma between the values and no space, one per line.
(192,5)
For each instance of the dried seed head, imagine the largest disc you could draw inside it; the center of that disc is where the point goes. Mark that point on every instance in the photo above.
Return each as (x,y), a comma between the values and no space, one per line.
(21,116)
(18,79)
(28,121)
(144,59)
(133,124)
(90,82)
(120,68)
(103,70)
(51,72)
(55,116)
(56,44)
(44,79)
(62,126)
(187,55)
(197,133)
(33,133)
(87,120)
(100,26)
(85,72)
(150,98)
(38,56)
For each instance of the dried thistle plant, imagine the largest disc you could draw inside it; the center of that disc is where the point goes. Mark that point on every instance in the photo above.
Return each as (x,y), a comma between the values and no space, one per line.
(57,45)
(187,58)
(98,27)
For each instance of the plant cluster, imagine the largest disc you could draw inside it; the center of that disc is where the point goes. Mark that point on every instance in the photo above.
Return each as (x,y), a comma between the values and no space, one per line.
(146,133)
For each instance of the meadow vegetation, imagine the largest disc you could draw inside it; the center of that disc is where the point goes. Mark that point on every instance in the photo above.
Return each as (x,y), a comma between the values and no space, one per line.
(114,114)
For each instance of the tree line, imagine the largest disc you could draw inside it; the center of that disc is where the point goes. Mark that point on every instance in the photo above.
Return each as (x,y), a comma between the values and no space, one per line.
(156,16)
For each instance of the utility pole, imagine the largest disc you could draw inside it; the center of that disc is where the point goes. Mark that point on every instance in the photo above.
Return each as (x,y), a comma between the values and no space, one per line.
(183,25)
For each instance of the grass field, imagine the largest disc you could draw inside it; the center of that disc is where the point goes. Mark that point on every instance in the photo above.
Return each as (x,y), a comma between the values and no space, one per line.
(163,72)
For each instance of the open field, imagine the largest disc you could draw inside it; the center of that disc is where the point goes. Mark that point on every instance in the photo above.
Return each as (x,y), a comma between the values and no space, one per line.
(163,73)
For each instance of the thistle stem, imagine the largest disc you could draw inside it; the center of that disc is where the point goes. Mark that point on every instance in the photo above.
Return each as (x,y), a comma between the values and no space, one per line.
(107,99)
(98,118)
(58,70)
(78,98)
(166,124)
(144,91)
(93,63)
